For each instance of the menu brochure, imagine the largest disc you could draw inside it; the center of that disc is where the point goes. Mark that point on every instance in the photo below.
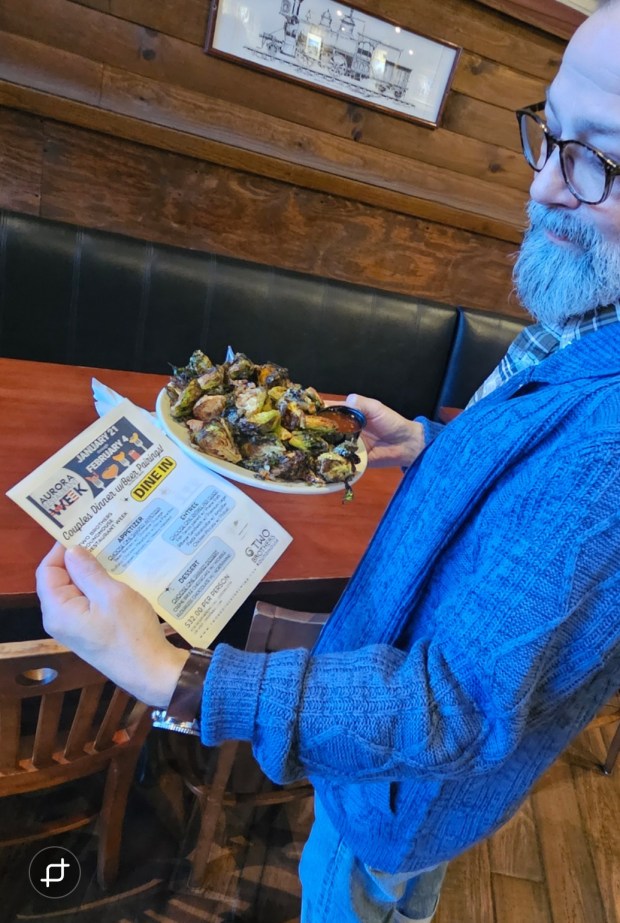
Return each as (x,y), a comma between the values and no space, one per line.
(188,540)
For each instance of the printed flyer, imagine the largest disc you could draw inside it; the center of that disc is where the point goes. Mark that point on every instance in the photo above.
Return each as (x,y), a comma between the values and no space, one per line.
(188,540)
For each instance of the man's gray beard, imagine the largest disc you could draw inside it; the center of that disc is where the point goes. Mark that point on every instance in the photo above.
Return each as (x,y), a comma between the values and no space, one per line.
(556,282)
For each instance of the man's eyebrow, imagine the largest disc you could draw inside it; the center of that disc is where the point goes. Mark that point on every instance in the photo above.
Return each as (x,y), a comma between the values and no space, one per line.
(587,126)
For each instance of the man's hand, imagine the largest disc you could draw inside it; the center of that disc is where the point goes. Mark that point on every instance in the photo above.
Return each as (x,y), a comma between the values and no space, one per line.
(389,438)
(107,624)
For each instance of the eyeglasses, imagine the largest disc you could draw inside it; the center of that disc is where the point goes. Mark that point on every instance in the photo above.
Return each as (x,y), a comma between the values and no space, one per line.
(587,172)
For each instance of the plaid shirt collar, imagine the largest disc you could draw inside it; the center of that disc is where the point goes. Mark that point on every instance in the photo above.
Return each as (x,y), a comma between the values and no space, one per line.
(538,341)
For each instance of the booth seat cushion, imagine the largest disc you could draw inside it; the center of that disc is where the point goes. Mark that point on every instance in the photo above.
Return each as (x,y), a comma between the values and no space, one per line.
(86,297)
(480,341)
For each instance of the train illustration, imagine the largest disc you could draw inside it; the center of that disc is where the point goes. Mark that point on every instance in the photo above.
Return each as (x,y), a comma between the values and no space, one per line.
(336,46)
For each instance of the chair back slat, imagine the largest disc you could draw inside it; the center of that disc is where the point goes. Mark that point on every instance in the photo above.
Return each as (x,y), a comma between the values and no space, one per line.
(111,719)
(29,669)
(46,735)
(81,730)
(58,718)
(10,727)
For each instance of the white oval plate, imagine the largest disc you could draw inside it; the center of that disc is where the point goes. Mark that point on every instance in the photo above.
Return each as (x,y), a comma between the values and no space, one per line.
(178,432)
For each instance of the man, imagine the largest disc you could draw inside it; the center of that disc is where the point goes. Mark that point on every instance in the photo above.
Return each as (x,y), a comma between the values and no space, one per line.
(480,631)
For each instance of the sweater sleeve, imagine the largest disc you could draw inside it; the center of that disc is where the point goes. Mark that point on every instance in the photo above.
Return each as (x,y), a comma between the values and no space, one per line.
(380,713)
(521,649)
(431,428)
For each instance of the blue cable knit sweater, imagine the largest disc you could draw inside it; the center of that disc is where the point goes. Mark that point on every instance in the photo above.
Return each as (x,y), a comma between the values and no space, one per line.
(478,635)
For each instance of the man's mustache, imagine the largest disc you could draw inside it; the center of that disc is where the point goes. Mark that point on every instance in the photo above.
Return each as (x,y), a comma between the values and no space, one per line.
(562,224)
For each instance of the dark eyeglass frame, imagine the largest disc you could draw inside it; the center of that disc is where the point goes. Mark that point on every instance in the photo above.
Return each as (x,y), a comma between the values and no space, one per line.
(612,169)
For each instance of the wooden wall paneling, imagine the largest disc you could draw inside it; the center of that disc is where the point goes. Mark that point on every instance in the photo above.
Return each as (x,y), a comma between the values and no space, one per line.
(474,118)
(277,138)
(496,83)
(41,65)
(184,19)
(135,71)
(21,155)
(34,64)
(549,15)
(499,220)
(73,28)
(471,26)
(463,22)
(103,182)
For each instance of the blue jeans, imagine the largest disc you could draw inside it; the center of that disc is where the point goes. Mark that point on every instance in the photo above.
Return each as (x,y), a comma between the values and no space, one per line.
(337,886)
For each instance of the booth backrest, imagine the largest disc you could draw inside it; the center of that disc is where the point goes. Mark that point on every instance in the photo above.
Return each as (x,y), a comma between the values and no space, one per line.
(77,296)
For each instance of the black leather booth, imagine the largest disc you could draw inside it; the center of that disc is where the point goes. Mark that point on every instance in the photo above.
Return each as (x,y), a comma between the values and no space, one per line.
(85,297)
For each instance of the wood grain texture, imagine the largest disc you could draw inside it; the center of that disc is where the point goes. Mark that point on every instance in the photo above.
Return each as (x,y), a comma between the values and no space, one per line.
(467,895)
(549,15)
(34,64)
(99,181)
(471,26)
(600,811)
(149,81)
(574,898)
(247,122)
(47,729)
(514,849)
(21,156)
(518,899)
(281,140)
(170,139)
(185,19)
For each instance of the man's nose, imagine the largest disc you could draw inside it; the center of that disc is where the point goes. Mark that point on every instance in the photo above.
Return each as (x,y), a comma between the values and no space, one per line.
(549,187)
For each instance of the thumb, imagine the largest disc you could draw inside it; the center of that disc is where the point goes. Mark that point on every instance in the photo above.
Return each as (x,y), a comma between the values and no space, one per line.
(87,573)
(369,406)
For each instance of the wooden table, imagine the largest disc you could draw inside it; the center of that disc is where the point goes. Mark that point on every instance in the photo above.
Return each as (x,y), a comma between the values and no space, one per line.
(44,405)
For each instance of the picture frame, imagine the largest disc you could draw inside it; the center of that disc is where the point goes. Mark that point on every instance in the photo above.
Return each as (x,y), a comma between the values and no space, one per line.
(338,49)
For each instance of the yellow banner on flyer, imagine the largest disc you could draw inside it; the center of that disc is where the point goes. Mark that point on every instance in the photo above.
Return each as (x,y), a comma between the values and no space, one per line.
(153,479)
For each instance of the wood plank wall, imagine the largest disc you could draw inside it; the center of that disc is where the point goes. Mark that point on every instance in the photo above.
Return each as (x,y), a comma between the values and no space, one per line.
(112,116)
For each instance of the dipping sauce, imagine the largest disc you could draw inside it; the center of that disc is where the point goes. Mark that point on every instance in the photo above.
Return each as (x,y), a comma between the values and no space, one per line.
(347,420)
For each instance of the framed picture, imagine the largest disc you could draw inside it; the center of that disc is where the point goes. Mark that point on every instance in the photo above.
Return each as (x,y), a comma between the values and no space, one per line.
(337,49)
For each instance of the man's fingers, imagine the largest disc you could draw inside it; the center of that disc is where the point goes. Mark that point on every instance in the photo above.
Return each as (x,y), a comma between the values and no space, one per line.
(55,557)
(368,405)
(51,574)
(88,574)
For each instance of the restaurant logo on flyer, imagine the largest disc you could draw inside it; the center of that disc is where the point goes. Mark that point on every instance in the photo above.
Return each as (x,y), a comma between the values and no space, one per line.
(91,472)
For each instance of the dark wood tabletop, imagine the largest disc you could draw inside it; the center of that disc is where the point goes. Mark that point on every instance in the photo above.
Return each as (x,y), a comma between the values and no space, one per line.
(44,405)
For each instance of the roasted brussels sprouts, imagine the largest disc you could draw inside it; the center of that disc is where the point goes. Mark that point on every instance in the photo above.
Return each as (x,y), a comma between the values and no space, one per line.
(325,427)
(333,467)
(215,438)
(184,403)
(208,407)
(271,374)
(308,442)
(249,399)
(255,416)
(258,423)
(212,380)
(240,367)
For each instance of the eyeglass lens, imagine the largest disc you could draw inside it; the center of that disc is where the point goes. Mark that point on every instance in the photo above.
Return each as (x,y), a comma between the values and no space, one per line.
(583,169)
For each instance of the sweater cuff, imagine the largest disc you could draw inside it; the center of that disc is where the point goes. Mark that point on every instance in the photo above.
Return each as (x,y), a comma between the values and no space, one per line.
(230,695)
(431,429)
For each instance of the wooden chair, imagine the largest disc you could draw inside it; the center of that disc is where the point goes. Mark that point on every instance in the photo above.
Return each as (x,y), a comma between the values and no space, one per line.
(237,777)
(81,725)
